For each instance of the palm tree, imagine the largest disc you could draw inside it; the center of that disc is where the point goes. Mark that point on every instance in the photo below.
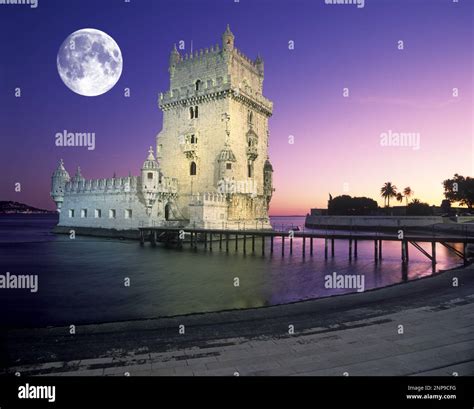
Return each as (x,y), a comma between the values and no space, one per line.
(400,197)
(387,191)
(408,193)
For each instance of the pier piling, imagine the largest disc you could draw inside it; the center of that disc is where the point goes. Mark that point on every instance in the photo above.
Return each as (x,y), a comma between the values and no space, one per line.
(171,236)
(404,251)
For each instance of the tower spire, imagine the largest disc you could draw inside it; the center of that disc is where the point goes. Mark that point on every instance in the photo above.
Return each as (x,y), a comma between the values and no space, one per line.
(228,39)
(150,154)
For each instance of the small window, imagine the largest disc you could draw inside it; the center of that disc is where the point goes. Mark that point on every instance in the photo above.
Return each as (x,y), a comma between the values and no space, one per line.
(112,214)
(83,213)
(71,212)
(229,166)
(128,213)
(198,85)
(192,169)
(193,139)
(191,112)
(196,112)
(98,213)
(150,175)
(250,170)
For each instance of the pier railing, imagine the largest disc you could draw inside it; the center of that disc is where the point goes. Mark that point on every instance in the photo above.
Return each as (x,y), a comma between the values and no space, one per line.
(209,238)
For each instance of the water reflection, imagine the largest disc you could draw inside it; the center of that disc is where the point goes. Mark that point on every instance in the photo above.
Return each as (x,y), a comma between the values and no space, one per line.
(82,280)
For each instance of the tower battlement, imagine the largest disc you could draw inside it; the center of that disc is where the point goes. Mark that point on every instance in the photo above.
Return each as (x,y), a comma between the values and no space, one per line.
(114,185)
(224,67)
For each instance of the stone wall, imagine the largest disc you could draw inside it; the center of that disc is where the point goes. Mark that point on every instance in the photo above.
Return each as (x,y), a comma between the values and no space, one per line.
(371,221)
(106,203)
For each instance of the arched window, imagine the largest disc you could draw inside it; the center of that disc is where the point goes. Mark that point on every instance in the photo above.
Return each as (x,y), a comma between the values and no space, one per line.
(250,170)
(192,169)
(198,85)
(195,112)
(193,139)
(250,118)
(167,211)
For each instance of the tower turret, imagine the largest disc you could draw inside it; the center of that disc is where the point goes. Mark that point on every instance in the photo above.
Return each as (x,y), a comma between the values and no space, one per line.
(78,176)
(226,162)
(227,40)
(58,184)
(174,59)
(268,181)
(150,179)
(259,64)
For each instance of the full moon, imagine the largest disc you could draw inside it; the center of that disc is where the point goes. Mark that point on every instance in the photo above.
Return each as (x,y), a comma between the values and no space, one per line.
(89,62)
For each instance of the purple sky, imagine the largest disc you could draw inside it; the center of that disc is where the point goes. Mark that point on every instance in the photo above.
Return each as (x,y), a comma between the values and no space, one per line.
(336,139)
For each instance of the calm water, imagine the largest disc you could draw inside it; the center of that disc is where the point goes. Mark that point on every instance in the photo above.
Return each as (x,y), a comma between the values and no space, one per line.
(82,280)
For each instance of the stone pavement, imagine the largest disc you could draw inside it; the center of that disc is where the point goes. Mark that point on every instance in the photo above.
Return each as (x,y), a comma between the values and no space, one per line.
(351,335)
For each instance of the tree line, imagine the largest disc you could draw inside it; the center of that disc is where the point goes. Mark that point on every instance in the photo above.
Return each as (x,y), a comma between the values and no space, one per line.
(458,189)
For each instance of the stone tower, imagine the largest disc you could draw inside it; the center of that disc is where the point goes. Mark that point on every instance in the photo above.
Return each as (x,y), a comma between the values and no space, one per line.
(214,138)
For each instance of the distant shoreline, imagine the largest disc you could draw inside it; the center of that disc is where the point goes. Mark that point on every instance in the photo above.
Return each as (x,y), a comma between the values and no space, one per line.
(11,207)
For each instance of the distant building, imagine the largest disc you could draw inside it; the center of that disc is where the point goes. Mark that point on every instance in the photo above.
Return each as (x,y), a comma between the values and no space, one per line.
(211,168)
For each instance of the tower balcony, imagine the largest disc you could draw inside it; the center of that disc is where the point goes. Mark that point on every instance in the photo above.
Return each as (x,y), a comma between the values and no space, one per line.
(189,149)
(252,152)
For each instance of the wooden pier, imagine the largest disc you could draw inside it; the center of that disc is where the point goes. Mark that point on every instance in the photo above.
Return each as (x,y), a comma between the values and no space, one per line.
(209,238)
